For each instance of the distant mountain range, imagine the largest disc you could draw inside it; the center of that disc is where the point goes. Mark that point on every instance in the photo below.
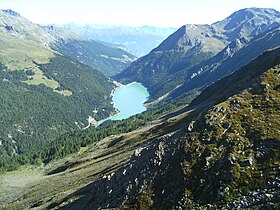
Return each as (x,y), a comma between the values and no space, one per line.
(195,49)
(137,40)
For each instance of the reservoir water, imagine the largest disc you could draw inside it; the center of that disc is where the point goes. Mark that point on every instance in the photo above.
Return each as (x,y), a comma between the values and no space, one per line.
(129,100)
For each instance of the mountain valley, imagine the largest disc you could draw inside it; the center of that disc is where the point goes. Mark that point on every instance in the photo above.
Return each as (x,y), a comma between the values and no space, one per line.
(209,138)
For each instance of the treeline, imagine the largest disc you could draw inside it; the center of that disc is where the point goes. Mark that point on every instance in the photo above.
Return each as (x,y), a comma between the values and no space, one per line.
(71,142)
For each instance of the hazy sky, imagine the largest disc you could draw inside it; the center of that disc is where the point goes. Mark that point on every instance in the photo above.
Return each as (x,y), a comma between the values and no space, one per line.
(173,13)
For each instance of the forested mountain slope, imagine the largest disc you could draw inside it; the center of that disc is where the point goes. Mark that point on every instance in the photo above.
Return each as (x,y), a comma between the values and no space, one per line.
(43,93)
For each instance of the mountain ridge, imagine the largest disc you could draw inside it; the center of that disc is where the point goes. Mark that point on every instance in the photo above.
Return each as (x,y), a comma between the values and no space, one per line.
(238,24)
(228,60)
(11,12)
(66,42)
(160,75)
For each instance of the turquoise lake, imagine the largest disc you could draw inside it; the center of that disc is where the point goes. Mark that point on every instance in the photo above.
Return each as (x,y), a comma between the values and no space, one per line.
(129,100)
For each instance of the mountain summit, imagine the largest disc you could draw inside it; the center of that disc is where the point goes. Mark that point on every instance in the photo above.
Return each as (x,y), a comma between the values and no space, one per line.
(248,22)
(11,12)
(189,36)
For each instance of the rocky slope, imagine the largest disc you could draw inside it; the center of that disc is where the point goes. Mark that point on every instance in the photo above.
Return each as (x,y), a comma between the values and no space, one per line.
(184,49)
(171,64)
(248,23)
(237,54)
(225,155)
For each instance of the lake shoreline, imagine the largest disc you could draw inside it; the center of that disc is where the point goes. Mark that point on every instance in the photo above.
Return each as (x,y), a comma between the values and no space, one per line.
(91,120)
(135,92)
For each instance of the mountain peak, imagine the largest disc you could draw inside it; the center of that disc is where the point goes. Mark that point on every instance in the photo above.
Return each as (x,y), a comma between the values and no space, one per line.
(187,37)
(248,22)
(11,12)
(256,11)
(250,13)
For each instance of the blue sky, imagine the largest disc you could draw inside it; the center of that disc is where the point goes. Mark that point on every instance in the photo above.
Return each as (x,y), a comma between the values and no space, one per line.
(174,13)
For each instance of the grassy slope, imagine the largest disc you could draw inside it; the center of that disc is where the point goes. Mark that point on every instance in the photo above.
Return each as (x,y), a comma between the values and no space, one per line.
(14,56)
(23,45)
(77,171)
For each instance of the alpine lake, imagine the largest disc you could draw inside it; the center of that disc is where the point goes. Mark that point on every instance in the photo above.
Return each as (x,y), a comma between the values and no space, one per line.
(128,100)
